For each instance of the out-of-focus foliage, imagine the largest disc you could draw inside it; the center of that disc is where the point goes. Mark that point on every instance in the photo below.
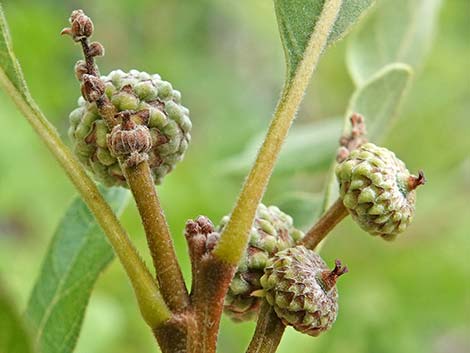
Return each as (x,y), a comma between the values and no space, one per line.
(78,253)
(226,57)
(14,337)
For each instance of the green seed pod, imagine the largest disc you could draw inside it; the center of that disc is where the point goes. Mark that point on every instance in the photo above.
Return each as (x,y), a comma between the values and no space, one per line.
(151,103)
(272,231)
(302,289)
(378,190)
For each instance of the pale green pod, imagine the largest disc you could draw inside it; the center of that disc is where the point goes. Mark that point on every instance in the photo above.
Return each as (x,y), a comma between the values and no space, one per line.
(302,289)
(378,191)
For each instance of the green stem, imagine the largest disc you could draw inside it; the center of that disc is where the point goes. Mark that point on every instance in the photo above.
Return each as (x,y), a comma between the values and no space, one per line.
(158,235)
(335,214)
(151,303)
(234,238)
(268,332)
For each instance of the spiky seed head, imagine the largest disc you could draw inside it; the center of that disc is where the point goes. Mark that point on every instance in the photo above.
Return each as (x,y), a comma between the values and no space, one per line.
(272,231)
(302,289)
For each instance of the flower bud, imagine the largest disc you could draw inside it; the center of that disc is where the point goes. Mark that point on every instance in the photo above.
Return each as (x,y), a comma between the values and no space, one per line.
(80,69)
(82,26)
(128,138)
(96,49)
(93,88)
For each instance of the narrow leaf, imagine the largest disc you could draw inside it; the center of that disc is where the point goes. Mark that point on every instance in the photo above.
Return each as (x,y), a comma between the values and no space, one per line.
(297,20)
(398,31)
(379,98)
(309,147)
(8,62)
(77,255)
(14,337)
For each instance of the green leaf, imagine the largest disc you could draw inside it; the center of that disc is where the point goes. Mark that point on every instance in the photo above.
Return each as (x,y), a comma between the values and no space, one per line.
(379,98)
(398,31)
(303,207)
(8,62)
(309,147)
(77,255)
(14,337)
(297,20)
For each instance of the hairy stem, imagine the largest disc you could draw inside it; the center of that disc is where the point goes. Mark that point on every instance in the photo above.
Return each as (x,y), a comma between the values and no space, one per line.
(335,214)
(213,279)
(234,238)
(158,235)
(209,295)
(151,303)
(268,333)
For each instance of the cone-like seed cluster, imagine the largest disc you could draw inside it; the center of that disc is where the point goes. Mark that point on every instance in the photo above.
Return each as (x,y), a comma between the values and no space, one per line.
(378,190)
(272,231)
(302,289)
(151,102)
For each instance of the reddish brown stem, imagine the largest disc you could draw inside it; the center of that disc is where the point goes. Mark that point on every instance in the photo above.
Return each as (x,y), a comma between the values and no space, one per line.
(335,214)
(268,333)
(158,235)
(211,284)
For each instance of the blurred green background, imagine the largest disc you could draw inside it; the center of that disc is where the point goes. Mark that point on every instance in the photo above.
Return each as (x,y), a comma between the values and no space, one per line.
(412,295)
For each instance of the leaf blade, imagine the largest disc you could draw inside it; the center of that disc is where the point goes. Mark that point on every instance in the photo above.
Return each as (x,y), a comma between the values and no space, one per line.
(398,31)
(78,253)
(8,61)
(315,142)
(297,20)
(378,100)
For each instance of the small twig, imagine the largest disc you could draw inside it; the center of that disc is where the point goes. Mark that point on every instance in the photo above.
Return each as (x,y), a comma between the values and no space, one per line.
(353,139)
(130,143)
(158,236)
(335,214)
(268,332)
(87,72)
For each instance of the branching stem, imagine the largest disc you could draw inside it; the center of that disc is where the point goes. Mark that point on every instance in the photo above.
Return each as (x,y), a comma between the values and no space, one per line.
(150,301)
(209,297)
(335,214)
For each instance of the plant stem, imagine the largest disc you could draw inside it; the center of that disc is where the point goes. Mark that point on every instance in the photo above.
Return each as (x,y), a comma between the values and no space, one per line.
(234,238)
(158,235)
(213,279)
(335,214)
(151,303)
(217,272)
(268,333)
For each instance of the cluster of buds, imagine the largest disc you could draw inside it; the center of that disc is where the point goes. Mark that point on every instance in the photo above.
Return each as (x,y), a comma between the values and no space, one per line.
(272,231)
(81,26)
(124,118)
(354,139)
